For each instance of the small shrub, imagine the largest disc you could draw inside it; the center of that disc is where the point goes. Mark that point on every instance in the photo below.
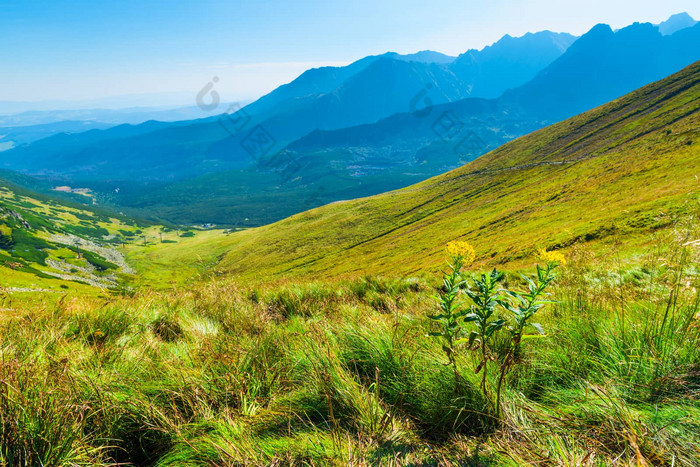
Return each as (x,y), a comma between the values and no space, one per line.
(6,241)
(98,262)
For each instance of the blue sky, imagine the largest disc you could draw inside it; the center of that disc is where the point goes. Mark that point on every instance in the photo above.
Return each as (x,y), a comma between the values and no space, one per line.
(83,50)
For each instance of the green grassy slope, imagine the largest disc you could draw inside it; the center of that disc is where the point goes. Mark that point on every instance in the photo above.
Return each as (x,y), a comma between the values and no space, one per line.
(47,244)
(621,170)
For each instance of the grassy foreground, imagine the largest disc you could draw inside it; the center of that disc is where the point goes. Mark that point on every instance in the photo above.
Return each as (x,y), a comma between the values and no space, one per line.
(343,373)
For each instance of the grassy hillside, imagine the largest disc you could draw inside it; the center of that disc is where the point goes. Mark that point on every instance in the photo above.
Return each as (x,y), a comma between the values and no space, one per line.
(52,245)
(620,171)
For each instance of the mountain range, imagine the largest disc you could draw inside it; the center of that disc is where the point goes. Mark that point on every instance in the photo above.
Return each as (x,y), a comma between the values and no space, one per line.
(341,132)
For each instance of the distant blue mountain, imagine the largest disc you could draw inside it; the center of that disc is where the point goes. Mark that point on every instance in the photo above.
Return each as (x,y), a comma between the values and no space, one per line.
(599,67)
(425,56)
(510,62)
(133,116)
(378,86)
(325,98)
(603,65)
(119,152)
(17,135)
(675,23)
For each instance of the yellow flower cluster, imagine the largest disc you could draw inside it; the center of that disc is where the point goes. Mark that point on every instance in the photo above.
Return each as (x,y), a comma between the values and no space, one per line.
(461,250)
(552,257)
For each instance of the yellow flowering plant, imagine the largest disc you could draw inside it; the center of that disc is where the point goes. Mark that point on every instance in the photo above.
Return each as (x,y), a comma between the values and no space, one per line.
(553,258)
(487,313)
(461,251)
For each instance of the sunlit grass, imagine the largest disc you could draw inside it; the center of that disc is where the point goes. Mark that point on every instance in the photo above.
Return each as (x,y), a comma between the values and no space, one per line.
(342,372)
